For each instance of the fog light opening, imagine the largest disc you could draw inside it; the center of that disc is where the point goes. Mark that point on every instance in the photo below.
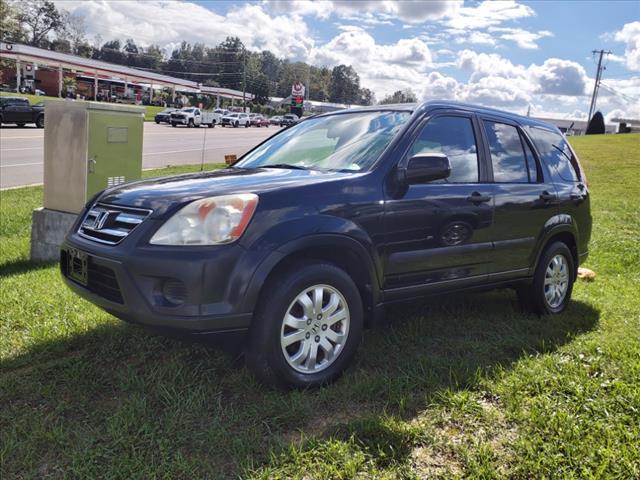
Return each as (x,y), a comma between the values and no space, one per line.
(174,291)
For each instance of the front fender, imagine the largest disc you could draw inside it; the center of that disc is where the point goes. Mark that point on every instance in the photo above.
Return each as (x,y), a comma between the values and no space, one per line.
(302,234)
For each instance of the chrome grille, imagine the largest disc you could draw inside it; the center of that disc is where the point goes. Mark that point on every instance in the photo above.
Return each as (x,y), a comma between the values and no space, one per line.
(110,224)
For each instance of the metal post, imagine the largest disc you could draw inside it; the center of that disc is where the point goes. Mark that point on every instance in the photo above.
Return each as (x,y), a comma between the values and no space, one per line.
(18,75)
(60,81)
(126,86)
(173,94)
(218,101)
(95,86)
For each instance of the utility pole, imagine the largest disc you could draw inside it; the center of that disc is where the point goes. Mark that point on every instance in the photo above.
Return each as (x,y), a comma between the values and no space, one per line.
(596,86)
(244,79)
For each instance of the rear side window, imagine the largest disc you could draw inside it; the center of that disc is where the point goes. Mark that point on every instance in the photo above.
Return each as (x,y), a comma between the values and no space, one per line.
(507,156)
(531,162)
(556,153)
(454,137)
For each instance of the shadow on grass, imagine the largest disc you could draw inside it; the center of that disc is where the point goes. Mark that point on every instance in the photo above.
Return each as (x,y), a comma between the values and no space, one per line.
(222,423)
(16,267)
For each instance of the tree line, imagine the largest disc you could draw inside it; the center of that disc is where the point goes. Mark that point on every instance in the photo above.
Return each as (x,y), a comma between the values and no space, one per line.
(229,64)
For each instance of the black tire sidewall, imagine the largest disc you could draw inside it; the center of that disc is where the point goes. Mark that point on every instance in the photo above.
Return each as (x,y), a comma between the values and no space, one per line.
(538,298)
(40,121)
(268,360)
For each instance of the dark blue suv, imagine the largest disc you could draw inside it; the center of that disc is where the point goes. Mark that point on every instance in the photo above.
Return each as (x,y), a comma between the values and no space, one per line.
(309,236)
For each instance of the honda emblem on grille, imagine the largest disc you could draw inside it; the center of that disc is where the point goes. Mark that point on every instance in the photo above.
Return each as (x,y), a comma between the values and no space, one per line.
(96,219)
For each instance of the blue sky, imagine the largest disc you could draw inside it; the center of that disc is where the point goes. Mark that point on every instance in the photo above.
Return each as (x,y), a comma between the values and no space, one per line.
(508,54)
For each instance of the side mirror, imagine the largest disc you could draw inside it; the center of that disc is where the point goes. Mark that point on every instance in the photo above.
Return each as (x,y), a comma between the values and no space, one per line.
(426,168)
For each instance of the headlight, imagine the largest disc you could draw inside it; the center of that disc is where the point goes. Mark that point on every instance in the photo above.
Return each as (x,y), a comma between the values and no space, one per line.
(210,221)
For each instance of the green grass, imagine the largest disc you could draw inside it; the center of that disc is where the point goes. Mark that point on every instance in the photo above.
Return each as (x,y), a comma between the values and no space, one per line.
(149,110)
(457,386)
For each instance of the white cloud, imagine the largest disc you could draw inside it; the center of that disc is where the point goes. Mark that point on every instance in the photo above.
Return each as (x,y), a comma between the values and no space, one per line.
(523,38)
(560,77)
(169,23)
(382,67)
(488,14)
(409,11)
(630,34)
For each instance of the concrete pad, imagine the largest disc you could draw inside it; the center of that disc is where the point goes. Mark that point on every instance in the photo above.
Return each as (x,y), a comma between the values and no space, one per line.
(48,229)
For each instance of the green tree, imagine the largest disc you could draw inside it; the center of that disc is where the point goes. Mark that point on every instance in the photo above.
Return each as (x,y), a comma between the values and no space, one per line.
(39,18)
(367,97)
(10,30)
(111,51)
(345,85)
(400,96)
(596,124)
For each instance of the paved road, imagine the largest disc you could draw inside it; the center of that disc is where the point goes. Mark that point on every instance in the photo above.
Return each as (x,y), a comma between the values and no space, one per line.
(22,155)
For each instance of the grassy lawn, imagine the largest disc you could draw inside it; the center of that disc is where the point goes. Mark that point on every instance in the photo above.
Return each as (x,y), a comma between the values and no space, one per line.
(458,386)
(149,114)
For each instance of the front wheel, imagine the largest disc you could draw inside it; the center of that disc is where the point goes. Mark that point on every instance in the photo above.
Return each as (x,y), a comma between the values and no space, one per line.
(550,291)
(235,125)
(20,124)
(173,124)
(246,125)
(190,124)
(307,329)
(40,121)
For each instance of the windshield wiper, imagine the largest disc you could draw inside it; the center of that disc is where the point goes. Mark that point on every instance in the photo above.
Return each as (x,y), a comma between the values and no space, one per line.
(286,165)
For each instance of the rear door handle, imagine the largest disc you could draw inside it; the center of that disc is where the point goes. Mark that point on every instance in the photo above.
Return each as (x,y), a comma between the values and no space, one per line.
(548,197)
(579,197)
(476,197)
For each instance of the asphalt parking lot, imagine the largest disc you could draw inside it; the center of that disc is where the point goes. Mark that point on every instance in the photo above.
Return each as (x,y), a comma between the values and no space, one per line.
(22,149)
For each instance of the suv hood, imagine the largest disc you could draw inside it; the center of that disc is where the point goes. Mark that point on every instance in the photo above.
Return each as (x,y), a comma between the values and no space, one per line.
(164,195)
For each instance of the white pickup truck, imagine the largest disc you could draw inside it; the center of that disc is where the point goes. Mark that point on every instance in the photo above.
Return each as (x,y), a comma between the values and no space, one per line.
(194,117)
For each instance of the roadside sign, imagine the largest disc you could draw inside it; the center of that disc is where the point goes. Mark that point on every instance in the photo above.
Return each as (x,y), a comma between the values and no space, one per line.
(297,90)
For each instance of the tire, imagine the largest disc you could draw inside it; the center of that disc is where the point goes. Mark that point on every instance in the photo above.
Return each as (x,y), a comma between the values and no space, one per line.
(40,121)
(190,123)
(270,361)
(157,122)
(173,124)
(555,270)
(21,124)
(235,125)
(246,125)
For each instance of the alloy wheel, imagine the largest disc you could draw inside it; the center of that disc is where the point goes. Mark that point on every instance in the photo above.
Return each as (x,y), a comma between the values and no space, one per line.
(315,329)
(556,281)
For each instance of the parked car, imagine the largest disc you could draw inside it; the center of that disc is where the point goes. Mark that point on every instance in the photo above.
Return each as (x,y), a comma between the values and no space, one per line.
(309,236)
(289,119)
(275,120)
(260,121)
(221,111)
(194,117)
(18,110)
(236,119)
(165,115)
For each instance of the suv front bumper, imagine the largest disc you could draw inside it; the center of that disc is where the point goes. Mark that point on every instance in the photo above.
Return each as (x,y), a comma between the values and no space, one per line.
(131,285)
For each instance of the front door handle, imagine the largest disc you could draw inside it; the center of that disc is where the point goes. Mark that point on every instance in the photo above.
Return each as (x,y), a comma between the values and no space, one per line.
(548,197)
(476,198)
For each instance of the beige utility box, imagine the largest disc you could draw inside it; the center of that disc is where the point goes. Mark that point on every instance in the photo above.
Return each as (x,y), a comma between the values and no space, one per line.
(89,146)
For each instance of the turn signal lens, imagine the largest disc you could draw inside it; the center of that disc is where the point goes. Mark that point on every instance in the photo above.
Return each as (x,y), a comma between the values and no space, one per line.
(210,221)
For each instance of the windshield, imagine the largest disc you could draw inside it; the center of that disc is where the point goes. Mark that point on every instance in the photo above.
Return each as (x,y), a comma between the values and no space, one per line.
(188,110)
(350,142)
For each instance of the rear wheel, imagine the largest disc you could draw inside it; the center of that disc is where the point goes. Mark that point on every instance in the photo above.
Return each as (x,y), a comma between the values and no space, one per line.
(40,121)
(246,125)
(550,291)
(307,330)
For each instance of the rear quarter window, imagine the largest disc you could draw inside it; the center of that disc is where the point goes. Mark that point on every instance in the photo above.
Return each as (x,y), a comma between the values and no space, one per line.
(556,153)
